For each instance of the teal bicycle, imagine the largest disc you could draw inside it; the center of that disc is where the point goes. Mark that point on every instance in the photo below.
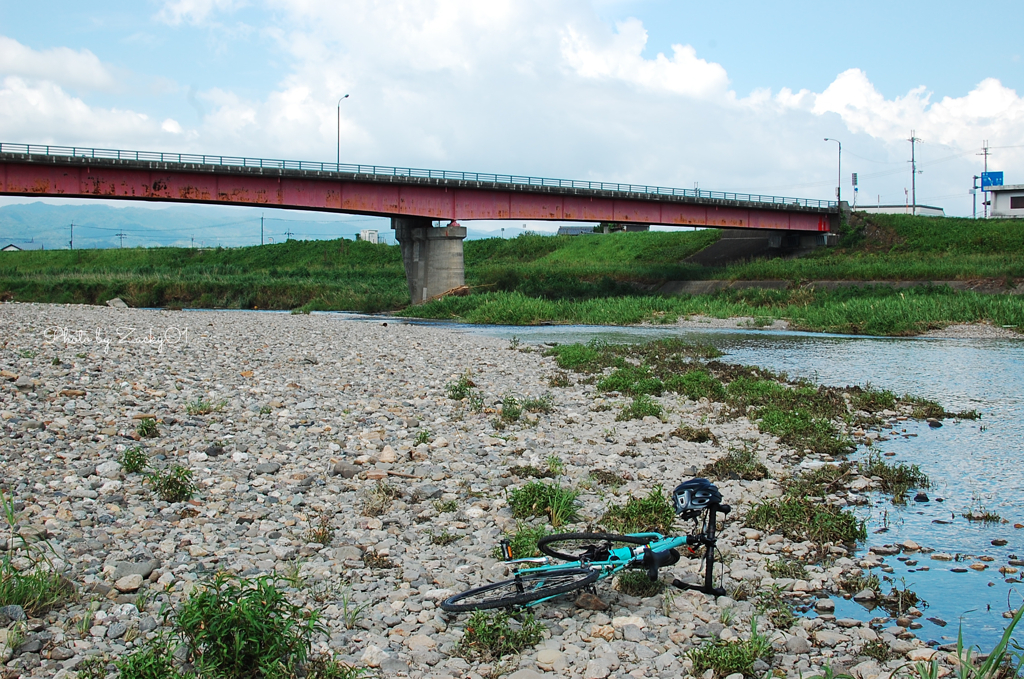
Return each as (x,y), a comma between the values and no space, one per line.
(575,561)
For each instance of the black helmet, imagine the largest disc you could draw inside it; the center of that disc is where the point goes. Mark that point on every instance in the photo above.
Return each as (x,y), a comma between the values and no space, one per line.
(693,496)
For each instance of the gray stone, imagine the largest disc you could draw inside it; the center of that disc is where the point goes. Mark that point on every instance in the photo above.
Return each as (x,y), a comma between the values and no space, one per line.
(865,595)
(143,568)
(116,630)
(712,629)
(632,633)
(268,468)
(129,583)
(426,492)
(30,646)
(117,303)
(12,613)
(392,665)
(798,645)
(825,605)
(147,624)
(346,470)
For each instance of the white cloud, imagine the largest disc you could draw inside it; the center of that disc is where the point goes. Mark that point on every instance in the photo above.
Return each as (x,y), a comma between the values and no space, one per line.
(175,12)
(61,65)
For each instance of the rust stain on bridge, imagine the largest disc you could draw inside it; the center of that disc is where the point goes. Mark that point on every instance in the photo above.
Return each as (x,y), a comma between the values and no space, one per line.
(441,199)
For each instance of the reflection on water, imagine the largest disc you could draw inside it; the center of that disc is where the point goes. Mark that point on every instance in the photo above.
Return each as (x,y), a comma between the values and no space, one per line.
(970,463)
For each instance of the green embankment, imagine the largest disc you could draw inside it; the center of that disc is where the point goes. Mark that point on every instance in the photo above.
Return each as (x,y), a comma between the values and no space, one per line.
(590,279)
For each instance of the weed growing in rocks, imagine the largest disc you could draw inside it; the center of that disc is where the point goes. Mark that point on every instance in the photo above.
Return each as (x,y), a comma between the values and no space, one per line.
(147,428)
(134,460)
(531,471)
(559,378)
(492,635)
(983,515)
(377,560)
(798,518)
(541,404)
(541,499)
(727,657)
(457,391)
(819,482)
(693,434)
(607,478)
(636,583)
(900,598)
(378,500)
(422,437)
(174,484)
(323,532)
(786,568)
(641,407)
(859,583)
(773,604)
(511,409)
(444,538)
(877,650)
(653,513)
(632,380)
(523,541)
(95,667)
(201,406)
(695,385)
(739,463)
(445,506)
(895,479)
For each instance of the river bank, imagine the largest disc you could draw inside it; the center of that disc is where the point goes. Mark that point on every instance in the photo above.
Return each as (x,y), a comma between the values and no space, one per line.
(284,419)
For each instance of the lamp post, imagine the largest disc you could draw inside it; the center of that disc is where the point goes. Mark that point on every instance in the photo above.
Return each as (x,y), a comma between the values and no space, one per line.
(839,183)
(339,128)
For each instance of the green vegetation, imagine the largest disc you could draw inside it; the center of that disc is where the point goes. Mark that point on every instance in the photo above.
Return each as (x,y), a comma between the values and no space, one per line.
(461,389)
(693,434)
(174,484)
(640,407)
(200,406)
(636,583)
(558,504)
(784,567)
(134,460)
(729,657)
(896,479)
(147,428)
(322,532)
(445,506)
(739,463)
(653,513)
(523,541)
(236,628)
(492,635)
(443,539)
(799,518)
(772,603)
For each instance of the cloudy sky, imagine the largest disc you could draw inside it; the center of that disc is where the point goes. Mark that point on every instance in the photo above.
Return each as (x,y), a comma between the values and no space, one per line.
(734,96)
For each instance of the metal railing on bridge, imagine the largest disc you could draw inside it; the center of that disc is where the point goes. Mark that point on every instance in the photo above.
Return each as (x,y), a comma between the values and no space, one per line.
(383,170)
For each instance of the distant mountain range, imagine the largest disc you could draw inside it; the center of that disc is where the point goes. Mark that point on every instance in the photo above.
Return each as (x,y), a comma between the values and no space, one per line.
(34,226)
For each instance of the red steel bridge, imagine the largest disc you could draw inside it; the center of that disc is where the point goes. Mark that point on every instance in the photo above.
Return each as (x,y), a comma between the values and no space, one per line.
(413,198)
(71,172)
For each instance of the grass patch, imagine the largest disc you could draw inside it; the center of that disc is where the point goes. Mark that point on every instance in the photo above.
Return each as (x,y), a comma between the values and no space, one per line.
(693,434)
(444,538)
(201,406)
(134,460)
(739,463)
(695,385)
(819,482)
(653,513)
(445,506)
(540,404)
(607,478)
(632,380)
(461,389)
(784,567)
(640,407)
(531,471)
(379,498)
(772,604)
(894,479)
(523,541)
(147,428)
(555,502)
(799,519)
(492,635)
(323,532)
(174,484)
(728,657)
(636,583)
(511,409)
(422,437)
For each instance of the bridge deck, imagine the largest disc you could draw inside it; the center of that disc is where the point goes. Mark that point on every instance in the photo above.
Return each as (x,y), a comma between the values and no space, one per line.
(386,191)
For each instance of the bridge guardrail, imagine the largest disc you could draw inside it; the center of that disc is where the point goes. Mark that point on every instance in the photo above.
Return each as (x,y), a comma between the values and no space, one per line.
(383,170)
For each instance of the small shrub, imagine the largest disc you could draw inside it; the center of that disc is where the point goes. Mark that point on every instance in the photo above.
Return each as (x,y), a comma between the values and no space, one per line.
(134,460)
(636,583)
(559,378)
(511,409)
(607,478)
(652,513)
(632,380)
(739,463)
(323,532)
(541,404)
(457,391)
(201,406)
(695,385)
(692,434)
(445,506)
(444,538)
(877,650)
(800,519)
(378,500)
(174,484)
(422,437)
(147,428)
(540,499)
(784,567)
(492,635)
(523,541)
(896,479)
(95,667)
(154,660)
(772,604)
(727,657)
(641,407)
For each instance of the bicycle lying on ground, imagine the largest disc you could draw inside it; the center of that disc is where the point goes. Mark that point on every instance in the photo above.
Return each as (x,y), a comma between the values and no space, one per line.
(588,557)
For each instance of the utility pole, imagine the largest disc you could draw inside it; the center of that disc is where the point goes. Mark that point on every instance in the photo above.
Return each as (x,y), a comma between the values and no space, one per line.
(261,229)
(984,202)
(974,198)
(913,168)
(288,235)
(71,243)
(193,242)
(121,235)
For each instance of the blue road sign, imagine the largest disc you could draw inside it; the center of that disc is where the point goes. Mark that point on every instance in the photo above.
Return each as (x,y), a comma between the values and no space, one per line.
(991,179)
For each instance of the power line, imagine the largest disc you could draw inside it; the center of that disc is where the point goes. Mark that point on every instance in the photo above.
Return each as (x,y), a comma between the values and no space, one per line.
(121,235)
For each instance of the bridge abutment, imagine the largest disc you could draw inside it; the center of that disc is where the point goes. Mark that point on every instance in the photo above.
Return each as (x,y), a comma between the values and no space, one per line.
(432,256)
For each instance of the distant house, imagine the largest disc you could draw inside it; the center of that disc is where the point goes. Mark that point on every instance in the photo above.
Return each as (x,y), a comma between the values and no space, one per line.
(368,235)
(902,209)
(1007,201)
(10,248)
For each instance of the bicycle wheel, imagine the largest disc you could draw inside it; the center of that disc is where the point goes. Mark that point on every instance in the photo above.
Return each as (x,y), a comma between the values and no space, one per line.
(521,590)
(589,546)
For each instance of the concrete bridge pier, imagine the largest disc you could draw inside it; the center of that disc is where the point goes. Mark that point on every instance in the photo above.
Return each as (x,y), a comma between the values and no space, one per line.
(432,256)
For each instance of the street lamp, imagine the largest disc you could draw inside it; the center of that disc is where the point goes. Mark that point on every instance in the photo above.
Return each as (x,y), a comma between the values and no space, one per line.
(339,129)
(839,183)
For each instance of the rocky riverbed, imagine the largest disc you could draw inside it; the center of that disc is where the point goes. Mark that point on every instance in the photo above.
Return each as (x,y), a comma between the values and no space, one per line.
(310,417)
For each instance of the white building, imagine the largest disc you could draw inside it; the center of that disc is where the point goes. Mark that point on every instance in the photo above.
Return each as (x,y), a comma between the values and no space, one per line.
(369,235)
(10,248)
(922,210)
(1007,201)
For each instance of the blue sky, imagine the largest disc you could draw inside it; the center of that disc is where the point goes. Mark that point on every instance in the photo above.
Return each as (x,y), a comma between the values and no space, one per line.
(731,95)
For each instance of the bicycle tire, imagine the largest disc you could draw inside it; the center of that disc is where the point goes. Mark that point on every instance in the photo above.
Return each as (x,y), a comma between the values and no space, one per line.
(572,546)
(522,590)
